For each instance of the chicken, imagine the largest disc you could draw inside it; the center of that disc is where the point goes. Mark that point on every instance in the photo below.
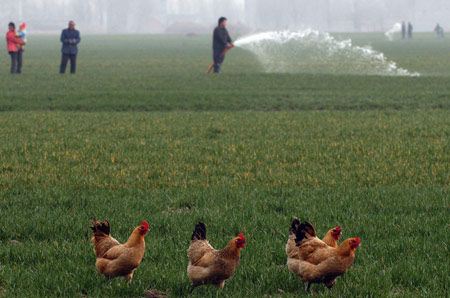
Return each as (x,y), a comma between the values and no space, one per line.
(313,260)
(208,265)
(332,236)
(115,259)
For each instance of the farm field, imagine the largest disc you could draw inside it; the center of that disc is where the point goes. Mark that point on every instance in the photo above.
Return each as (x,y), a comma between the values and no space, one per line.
(141,133)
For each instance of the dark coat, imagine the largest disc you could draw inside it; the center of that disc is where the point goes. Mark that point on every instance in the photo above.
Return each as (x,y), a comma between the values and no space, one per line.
(70,40)
(221,39)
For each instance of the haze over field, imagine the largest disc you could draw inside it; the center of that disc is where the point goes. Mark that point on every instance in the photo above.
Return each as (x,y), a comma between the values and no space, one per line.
(183,16)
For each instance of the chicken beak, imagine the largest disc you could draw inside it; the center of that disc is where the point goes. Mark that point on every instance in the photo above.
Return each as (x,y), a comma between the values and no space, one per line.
(143,230)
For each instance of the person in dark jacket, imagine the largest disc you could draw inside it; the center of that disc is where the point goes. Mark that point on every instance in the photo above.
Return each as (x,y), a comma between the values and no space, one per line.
(439,31)
(70,39)
(410,30)
(221,41)
(403,30)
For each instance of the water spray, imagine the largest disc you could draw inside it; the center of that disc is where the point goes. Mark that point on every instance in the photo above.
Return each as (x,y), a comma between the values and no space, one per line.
(311,51)
(390,33)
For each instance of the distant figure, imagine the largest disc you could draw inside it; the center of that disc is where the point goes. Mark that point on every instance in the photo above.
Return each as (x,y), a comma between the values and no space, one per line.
(13,43)
(221,41)
(22,34)
(439,31)
(403,30)
(410,31)
(70,39)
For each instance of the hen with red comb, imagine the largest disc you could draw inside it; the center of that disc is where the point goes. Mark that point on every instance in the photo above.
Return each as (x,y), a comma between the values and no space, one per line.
(332,236)
(313,260)
(115,259)
(211,266)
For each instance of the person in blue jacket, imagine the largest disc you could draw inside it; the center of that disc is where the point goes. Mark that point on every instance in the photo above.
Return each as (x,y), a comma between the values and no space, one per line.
(70,39)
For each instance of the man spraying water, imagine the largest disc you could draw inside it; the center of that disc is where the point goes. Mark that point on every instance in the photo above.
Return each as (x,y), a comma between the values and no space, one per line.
(221,44)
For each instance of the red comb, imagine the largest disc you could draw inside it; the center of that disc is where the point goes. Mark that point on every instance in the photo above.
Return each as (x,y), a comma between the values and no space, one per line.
(357,239)
(145,224)
(241,236)
(338,228)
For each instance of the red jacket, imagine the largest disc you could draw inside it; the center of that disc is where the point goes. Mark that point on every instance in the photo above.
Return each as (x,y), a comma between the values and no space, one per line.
(12,41)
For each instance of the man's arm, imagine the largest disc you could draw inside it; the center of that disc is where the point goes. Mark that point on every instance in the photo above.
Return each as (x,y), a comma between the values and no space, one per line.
(65,40)
(223,36)
(78,39)
(229,40)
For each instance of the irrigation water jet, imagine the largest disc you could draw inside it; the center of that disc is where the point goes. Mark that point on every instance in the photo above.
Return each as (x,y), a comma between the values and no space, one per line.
(390,33)
(311,51)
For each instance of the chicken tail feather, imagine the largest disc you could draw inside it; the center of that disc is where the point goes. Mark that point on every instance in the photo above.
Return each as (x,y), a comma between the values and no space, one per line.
(294,226)
(199,232)
(304,230)
(102,227)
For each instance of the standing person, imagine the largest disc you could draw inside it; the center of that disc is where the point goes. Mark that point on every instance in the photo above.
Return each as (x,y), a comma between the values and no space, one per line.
(439,31)
(221,41)
(410,31)
(22,34)
(12,43)
(403,30)
(70,39)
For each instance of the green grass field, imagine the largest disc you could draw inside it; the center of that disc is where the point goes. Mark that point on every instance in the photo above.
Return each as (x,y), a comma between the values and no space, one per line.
(141,133)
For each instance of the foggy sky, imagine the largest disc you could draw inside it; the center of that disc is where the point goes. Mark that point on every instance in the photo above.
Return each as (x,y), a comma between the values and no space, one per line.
(198,16)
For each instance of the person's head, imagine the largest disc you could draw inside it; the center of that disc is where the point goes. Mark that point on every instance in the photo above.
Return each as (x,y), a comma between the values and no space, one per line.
(71,25)
(222,21)
(12,26)
(23,26)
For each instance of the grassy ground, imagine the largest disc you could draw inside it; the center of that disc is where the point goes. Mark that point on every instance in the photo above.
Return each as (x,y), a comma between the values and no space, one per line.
(244,152)
(166,73)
